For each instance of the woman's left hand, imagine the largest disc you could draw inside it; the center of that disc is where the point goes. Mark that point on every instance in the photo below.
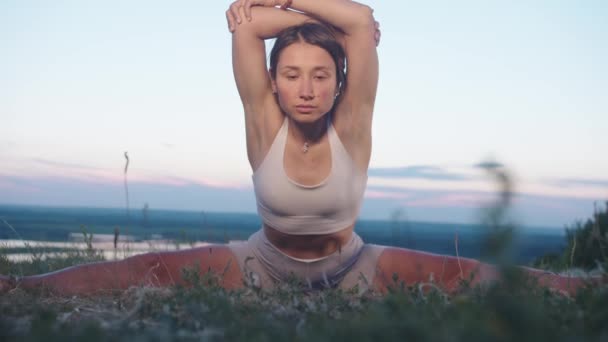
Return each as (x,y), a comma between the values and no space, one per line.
(233,15)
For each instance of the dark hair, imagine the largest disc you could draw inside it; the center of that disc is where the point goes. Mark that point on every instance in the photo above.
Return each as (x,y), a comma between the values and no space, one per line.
(314,34)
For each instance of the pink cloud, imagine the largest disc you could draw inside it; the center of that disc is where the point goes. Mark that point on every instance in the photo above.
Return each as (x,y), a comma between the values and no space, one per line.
(385,195)
(22,188)
(158,179)
(451,200)
(108,177)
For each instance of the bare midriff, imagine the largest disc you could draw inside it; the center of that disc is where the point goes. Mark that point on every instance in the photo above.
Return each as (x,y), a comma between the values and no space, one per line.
(309,246)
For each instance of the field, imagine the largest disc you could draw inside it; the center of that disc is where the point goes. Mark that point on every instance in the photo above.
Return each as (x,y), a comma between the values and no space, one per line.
(514,309)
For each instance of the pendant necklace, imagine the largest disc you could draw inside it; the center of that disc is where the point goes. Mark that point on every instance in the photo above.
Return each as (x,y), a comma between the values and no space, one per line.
(305,147)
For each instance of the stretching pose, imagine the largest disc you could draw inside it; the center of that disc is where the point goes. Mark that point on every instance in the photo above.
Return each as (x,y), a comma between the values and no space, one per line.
(308,122)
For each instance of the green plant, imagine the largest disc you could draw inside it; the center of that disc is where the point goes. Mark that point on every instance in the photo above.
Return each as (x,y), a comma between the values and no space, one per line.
(587,246)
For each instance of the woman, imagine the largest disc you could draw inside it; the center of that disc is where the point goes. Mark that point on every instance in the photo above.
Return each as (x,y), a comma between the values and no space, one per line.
(308,125)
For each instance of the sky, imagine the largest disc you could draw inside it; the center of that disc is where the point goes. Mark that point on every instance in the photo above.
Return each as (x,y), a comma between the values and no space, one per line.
(518,83)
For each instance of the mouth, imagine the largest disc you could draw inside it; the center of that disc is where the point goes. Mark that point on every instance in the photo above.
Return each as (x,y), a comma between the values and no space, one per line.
(305,108)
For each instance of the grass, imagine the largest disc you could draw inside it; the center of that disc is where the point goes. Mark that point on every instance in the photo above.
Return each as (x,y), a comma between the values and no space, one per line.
(587,245)
(42,262)
(516,309)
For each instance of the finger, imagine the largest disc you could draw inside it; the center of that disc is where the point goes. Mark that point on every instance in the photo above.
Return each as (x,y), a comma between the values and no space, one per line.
(234,9)
(247,6)
(230,21)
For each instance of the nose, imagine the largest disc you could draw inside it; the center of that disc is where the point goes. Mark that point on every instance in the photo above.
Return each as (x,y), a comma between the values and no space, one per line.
(306,89)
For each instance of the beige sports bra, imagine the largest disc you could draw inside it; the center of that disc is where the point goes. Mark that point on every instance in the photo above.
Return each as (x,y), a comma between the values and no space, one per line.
(298,209)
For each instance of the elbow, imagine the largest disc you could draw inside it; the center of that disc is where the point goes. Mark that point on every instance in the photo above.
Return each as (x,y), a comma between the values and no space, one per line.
(362,19)
(256,27)
(365,16)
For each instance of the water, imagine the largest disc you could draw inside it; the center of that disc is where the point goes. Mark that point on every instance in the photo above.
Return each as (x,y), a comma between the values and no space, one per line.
(170,229)
(101,243)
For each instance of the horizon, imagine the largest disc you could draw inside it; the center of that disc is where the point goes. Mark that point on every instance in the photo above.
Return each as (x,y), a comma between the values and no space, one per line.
(136,213)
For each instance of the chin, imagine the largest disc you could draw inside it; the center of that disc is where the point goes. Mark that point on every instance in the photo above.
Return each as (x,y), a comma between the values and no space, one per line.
(307,118)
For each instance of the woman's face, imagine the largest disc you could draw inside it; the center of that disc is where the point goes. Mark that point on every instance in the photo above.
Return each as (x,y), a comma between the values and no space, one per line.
(305,82)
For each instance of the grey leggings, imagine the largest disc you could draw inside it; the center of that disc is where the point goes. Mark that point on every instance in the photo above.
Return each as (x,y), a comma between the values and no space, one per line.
(265,266)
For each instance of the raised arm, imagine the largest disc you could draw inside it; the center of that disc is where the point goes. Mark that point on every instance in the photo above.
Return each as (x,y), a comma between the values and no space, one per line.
(347,15)
(353,114)
(251,74)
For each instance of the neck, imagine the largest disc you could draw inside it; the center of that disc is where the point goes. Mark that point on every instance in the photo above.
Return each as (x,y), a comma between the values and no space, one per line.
(308,132)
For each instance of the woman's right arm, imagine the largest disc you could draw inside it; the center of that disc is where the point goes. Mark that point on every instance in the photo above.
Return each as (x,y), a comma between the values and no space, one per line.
(251,74)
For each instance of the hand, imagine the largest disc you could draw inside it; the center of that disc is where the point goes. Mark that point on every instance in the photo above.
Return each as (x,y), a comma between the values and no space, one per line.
(233,14)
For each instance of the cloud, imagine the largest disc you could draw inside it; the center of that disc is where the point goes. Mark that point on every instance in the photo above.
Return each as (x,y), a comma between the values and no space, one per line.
(152,178)
(7,144)
(10,184)
(434,205)
(58,191)
(61,170)
(418,171)
(571,182)
(385,194)
(431,198)
(462,206)
(489,165)
(461,200)
(63,165)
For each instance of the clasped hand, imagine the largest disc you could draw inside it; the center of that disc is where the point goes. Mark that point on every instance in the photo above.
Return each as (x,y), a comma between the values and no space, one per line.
(233,14)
